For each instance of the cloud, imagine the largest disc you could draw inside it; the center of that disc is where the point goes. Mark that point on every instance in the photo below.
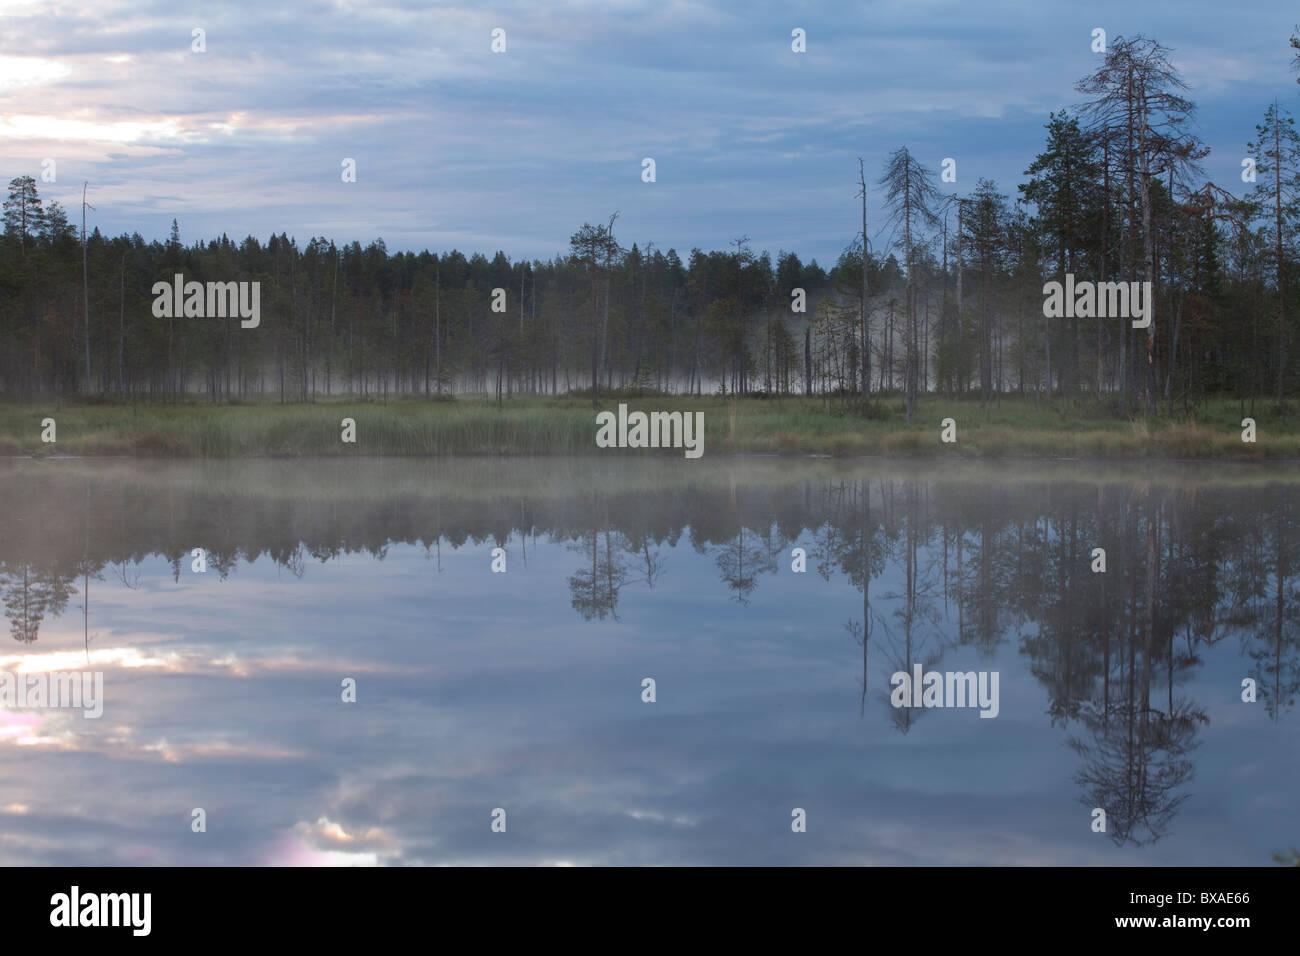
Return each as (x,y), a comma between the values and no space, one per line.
(456,145)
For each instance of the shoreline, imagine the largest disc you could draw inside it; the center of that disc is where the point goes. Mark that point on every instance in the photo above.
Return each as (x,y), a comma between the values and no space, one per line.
(724,457)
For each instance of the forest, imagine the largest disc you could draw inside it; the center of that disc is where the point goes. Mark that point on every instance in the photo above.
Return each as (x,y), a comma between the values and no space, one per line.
(943,297)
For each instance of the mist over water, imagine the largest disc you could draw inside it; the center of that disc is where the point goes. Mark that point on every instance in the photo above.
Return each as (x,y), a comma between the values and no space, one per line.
(522,690)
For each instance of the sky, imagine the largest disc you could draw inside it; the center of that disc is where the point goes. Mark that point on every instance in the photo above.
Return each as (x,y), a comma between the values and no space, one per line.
(457,146)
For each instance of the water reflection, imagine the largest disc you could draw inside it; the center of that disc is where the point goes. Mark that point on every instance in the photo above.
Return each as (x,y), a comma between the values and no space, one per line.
(686,573)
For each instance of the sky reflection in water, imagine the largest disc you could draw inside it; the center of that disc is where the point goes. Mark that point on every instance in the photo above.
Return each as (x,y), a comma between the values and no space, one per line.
(523,690)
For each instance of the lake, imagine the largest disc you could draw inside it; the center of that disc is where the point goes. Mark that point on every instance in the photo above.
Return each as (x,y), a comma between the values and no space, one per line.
(525,690)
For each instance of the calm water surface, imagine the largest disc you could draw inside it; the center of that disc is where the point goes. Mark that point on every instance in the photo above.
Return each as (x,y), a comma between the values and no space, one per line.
(523,690)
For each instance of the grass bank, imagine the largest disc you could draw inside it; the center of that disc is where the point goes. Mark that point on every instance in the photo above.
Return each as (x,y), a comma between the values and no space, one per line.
(566,426)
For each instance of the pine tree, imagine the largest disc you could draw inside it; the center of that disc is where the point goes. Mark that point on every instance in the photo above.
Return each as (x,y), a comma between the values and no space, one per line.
(23,215)
(1063,187)
(1277,193)
(911,197)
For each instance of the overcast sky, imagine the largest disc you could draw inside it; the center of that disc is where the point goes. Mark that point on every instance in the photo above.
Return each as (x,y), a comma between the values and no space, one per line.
(457,146)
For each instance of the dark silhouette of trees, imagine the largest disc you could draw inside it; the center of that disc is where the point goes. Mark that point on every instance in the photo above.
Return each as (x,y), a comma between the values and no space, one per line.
(1115,194)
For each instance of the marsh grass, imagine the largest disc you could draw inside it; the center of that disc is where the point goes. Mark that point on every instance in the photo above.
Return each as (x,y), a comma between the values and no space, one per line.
(566,426)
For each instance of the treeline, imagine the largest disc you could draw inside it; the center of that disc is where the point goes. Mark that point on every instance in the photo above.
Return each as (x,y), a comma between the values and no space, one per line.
(366,321)
(951,301)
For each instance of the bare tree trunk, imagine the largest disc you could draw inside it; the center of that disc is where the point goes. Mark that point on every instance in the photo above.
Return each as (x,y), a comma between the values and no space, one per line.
(1148,250)
(1277,200)
(437,328)
(807,361)
(86,284)
(959,270)
(866,327)
(121,327)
